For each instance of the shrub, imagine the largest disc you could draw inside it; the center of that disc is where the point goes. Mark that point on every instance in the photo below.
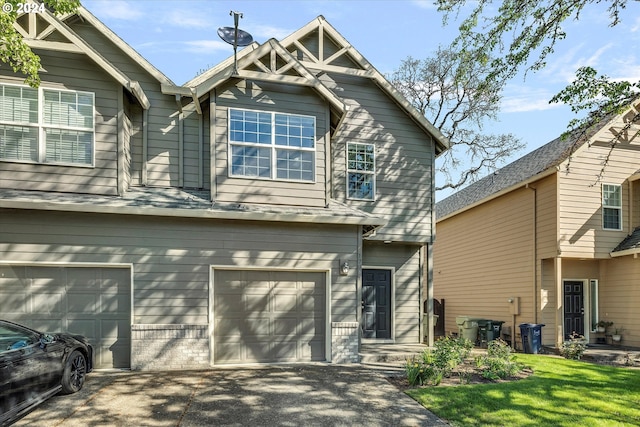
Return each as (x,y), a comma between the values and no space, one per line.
(499,362)
(574,347)
(433,365)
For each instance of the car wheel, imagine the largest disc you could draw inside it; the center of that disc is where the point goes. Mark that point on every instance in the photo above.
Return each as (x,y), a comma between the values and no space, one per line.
(75,372)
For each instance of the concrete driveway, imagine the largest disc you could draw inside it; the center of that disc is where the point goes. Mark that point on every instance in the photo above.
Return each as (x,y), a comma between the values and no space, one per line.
(300,395)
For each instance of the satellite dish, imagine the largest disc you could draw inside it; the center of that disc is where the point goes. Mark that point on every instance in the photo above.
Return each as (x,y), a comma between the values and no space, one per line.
(228,34)
(235,37)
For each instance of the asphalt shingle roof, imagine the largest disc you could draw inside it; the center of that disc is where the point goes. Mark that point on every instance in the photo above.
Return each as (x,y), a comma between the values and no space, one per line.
(632,241)
(530,165)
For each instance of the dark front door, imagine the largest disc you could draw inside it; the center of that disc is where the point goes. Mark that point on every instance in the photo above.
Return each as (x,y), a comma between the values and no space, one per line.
(573,307)
(376,303)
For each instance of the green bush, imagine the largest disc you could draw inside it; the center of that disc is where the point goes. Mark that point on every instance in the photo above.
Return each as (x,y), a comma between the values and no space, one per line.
(433,365)
(574,347)
(499,362)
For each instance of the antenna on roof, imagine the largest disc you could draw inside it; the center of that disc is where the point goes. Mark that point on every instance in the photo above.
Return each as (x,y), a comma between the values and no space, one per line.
(236,37)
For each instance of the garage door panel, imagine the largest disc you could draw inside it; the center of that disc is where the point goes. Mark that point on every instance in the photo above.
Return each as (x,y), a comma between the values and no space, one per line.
(278,321)
(47,302)
(90,301)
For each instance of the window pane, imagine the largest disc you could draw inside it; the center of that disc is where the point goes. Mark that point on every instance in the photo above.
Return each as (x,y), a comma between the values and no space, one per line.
(67,146)
(292,164)
(18,104)
(611,218)
(251,161)
(250,126)
(65,109)
(18,143)
(611,195)
(360,186)
(294,131)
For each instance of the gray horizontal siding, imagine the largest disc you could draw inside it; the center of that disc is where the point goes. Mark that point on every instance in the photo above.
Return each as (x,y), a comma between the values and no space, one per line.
(171,257)
(86,76)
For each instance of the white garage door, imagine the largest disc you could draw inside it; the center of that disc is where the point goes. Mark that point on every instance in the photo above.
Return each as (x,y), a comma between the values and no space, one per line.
(91,301)
(269,316)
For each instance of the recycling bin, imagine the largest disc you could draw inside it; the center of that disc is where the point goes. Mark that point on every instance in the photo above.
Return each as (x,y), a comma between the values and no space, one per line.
(483,331)
(531,334)
(468,327)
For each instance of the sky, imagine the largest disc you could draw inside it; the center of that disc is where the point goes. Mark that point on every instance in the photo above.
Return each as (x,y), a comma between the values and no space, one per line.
(179,37)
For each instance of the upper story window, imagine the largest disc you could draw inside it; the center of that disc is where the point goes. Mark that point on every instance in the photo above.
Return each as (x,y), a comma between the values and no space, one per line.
(46,125)
(361,171)
(611,207)
(273,146)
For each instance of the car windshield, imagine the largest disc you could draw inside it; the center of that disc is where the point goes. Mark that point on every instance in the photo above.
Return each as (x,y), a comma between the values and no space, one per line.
(14,338)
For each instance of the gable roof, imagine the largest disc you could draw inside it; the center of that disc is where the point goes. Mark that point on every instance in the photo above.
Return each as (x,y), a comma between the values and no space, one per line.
(629,246)
(530,167)
(293,61)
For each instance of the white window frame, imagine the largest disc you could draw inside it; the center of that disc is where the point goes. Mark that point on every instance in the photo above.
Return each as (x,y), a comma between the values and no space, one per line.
(371,173)
(41,126)
(618,208)
(273,146)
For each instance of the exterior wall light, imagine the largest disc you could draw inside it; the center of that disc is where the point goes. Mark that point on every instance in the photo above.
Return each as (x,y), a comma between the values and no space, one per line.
(344,268)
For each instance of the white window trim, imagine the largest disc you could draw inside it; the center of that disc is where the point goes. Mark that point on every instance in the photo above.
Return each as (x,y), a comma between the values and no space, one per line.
(41,126)
(618,208)
(273,146)
(373,173)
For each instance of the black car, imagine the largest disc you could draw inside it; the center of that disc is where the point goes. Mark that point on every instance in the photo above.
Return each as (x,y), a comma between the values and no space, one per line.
(34,366)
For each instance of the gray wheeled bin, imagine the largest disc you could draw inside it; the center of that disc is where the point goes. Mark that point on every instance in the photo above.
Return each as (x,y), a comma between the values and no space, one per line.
(468,327)
(531,334)
(495,330)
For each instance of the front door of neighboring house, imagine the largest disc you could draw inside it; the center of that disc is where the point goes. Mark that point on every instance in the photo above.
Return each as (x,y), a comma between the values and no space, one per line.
(573,307)
(376,303)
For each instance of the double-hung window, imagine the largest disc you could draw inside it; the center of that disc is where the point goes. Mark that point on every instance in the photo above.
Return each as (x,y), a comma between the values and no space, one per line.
(611,207)
(274,146)
(46,125)
(361,171)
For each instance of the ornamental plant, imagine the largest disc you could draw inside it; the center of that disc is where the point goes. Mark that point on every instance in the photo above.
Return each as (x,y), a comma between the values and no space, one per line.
(574,347)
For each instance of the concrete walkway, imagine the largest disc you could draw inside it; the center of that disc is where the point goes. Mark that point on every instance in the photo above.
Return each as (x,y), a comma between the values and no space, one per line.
(296,395)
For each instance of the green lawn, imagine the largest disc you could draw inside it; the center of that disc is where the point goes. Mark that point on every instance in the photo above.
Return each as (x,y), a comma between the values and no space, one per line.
(560,392)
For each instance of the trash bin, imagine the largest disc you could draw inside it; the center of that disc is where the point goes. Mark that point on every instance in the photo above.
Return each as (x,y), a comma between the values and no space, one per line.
(495,330)
(483,331)
(468,327)
(531,334)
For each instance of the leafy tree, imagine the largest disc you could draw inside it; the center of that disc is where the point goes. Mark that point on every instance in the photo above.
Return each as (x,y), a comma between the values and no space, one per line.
(455,96)
(13,50)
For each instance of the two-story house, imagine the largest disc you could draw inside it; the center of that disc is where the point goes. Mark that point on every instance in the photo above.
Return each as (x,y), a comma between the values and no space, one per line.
(551,238)
(274,209)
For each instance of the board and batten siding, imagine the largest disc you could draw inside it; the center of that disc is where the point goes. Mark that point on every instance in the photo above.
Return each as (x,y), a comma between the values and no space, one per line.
(580,195)
(99,179)
(171,257)
(163,139)
(405,260)
(270,98)
(484,256)
(404,158)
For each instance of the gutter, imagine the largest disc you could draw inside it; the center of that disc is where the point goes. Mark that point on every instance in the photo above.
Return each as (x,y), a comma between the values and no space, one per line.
(192,213)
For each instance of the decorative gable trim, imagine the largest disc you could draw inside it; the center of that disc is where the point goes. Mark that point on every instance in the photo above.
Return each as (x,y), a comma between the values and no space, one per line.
(331,54)
(27,25)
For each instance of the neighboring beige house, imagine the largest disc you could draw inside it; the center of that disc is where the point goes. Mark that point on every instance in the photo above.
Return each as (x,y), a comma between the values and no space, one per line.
(544,240)
(280,211)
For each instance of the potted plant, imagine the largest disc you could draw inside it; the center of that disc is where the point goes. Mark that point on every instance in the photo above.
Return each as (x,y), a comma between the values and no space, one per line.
(602,325)
(616,336)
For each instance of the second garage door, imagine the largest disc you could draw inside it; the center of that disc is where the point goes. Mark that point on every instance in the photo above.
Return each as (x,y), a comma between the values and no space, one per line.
(269,316)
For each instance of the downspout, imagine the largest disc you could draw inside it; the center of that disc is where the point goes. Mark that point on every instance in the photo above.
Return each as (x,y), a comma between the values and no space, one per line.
(145,145)
(535,252)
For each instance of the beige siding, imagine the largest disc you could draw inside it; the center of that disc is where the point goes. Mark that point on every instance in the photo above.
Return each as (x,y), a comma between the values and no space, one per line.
(581,233)
(404,156)
(546,217)
(267,97)
(620,297)
(171,268)
(549,303)
(405,259)
(101,179)
(483,257)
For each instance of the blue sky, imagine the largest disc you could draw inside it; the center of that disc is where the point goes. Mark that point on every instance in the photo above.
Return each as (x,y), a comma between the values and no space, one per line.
(179,38)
